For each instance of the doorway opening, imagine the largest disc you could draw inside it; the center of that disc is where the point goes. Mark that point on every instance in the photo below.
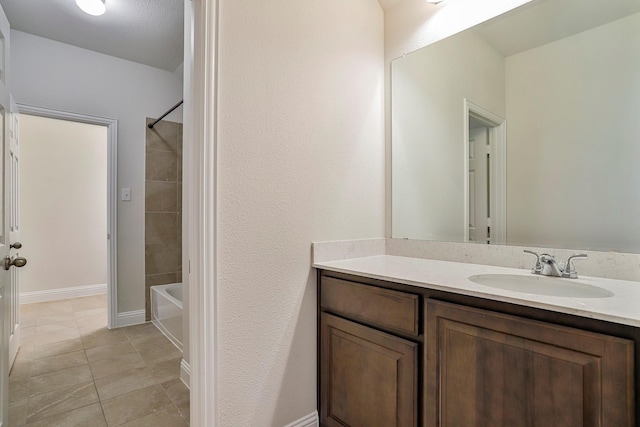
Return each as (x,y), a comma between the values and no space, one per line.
(484,176)
(86,193)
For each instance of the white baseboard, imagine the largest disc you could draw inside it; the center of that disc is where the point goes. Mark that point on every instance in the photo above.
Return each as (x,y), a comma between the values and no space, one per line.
(129,318)
(62,293)
(185,373)
(310,420)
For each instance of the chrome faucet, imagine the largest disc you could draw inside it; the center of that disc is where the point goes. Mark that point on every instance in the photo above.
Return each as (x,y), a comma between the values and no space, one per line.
(536,269)
(546,265)
(569,270)
(549,266)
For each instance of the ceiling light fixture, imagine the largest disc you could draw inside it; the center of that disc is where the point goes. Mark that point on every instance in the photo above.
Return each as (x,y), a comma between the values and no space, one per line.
(92,7)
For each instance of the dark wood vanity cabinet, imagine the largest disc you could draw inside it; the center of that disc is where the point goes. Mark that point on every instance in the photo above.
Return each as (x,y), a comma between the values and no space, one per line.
(490,369)
(397,355)
(368,377)
(368,360)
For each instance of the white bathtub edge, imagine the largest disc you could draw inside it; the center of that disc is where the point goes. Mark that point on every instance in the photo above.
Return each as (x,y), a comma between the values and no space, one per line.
(167,334)
(159,296)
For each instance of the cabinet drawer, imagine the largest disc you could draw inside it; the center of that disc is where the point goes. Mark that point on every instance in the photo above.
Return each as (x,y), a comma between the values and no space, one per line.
(391,309)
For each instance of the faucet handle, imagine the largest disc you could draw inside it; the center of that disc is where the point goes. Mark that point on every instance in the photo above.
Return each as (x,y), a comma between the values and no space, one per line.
(537,269)
(569,270)
(547,258)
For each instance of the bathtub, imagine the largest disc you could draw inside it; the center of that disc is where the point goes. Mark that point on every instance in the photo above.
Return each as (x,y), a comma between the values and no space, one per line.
(166,311)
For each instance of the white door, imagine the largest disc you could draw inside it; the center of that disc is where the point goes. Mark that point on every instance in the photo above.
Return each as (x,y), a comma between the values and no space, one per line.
(14,231)
(5,287)
(479,160)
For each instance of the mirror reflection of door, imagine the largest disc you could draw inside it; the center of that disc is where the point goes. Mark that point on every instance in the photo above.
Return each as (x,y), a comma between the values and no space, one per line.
(479,173)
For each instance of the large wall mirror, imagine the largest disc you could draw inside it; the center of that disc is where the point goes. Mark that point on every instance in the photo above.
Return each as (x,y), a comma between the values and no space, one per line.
(523,130)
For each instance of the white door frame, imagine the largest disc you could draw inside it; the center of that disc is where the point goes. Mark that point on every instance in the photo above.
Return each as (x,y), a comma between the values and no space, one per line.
(498,172)
(112,194)
(201,163)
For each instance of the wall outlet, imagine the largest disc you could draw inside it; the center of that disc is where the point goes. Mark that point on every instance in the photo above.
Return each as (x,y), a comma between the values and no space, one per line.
(126,194)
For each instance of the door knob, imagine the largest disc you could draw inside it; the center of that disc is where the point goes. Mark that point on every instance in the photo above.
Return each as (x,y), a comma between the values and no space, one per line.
(17,261)
(16,245)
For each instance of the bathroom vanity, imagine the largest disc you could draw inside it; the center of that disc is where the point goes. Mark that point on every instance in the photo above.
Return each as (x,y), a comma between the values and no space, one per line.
(414,342)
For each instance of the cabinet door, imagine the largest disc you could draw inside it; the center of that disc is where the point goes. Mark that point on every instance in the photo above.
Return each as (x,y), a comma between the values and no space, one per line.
(368,378)
(490,369)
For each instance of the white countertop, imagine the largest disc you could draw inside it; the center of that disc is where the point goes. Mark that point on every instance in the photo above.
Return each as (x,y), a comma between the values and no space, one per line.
(623,307)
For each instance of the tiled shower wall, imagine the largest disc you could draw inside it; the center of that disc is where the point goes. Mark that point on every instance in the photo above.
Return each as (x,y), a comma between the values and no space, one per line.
(163,207)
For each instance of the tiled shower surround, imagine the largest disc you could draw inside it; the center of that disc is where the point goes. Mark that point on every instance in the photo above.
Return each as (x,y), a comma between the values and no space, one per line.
(163,206)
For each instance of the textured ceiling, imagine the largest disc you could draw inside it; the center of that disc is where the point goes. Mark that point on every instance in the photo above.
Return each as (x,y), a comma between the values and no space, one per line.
(146,31)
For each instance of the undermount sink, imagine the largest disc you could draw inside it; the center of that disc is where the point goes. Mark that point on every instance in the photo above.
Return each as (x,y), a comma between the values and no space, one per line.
(541,285)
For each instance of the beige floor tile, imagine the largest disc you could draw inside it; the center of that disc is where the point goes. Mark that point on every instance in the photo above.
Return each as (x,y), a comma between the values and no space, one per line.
(52,307)
(143,332)
(18,389)
(157,349)
(63,378)
(116,365)
(27,331)
(21,369)
(166,418)
(82,417)
(135,404)
(176,390)
(60,401)
(25,353)
(103,336)
(62,347)
(166,370)
(27,318)
(94,315)
(75,361)
(184,409)
(89,327)
(109,351)
(18,413)
(69,325)
(124,382)
(45,338)
(86,303)
(49,319)
(55,363)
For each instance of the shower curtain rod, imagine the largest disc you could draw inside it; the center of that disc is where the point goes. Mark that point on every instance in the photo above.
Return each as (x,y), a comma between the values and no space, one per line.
(151,125)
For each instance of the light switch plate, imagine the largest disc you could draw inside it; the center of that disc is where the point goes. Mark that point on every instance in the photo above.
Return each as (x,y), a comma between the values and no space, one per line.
(126,194)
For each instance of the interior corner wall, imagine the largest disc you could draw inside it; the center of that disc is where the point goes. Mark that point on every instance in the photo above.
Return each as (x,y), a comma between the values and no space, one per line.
(574,165)
(300,154)
(58,76)
(412,24)
(63,198)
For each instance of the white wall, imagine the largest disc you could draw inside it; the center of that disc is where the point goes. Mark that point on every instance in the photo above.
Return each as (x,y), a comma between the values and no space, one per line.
(63,215)
(575,144)
(429,88)
(412,24)
(58,76)
(300,159)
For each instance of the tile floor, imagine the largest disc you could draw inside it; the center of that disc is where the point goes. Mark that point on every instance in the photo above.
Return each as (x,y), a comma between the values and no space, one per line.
(72,371)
